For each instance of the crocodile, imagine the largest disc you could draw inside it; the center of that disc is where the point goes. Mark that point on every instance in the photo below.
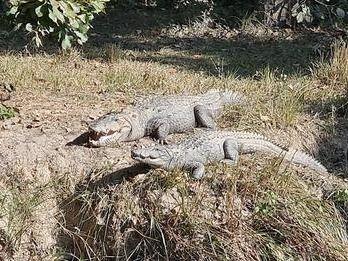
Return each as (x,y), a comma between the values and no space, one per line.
(209,146)
(159,116)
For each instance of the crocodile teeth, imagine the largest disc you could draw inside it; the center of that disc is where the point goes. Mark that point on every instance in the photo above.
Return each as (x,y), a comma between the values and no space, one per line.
(95,135)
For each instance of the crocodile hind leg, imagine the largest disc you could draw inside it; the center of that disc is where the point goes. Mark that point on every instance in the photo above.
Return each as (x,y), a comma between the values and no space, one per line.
(204,117)
(197,170)
(230,147)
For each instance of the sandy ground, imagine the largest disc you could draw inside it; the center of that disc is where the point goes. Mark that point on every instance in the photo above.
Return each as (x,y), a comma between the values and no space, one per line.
(33,145)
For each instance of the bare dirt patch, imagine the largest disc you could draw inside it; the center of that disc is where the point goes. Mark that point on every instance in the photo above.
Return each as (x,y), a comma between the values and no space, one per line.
(33,154)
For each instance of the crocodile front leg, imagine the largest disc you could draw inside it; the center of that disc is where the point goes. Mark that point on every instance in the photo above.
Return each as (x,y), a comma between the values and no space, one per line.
(162,133)
(159,128)
(230,147)
(204,117)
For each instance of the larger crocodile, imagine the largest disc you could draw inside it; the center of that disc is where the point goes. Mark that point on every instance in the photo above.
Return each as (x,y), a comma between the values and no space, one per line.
(207,146)
(159,116)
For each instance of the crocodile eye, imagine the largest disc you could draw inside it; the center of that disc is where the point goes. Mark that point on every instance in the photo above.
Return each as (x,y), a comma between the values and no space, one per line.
(153,156)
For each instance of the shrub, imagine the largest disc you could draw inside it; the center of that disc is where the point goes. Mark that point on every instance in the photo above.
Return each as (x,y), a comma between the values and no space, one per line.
(67,20)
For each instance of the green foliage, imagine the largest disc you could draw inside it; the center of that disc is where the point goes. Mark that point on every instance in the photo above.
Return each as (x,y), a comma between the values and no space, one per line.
(6,112)
(341,196)
(308,11)
(67,20)
(268,204)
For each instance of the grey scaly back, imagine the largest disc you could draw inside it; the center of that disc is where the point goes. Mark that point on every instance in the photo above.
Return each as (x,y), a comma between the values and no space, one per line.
(159,116)
(207,146)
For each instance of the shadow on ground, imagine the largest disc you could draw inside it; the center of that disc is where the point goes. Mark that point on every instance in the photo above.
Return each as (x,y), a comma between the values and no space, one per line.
(80,211)
(229,51)
(241,57)
(117,177)
(333,147)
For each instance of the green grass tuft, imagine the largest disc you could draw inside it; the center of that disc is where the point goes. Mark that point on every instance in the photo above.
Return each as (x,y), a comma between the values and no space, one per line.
(6,112)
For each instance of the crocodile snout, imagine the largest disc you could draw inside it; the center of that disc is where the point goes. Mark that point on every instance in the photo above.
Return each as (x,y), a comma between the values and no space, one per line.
(137,154)
(134,154)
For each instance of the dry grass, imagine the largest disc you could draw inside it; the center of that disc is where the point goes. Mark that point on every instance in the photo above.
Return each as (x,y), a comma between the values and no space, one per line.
(335,72)
(26,209)
(253,212)
(259,210)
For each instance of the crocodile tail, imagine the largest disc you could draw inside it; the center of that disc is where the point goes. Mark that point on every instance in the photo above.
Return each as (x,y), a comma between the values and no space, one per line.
(227,96)
(232,97)
(259,143)
(301,158)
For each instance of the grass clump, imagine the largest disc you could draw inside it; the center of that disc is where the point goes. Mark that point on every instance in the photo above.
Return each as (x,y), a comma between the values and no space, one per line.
(342,196)
(274,102)
(242,213)
(21,206)
(334,72)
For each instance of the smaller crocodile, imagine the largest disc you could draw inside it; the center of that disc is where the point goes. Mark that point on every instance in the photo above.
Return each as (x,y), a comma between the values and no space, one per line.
(159,116)
(208,146)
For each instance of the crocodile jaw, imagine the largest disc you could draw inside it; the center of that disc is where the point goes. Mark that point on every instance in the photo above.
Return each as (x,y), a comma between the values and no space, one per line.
(109,129)
(99,139)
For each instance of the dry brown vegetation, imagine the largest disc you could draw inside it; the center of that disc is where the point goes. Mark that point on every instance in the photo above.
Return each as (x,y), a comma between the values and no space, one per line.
(77,203)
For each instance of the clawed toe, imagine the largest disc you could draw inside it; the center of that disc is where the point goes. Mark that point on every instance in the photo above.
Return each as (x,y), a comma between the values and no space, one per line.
(229,162)
(159,141)
(163,142)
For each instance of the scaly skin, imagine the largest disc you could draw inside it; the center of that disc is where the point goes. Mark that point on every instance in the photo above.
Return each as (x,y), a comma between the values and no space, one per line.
(160,116)
(208,146)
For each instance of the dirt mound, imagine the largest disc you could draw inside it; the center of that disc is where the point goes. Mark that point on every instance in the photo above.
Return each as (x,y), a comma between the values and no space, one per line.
(34,156)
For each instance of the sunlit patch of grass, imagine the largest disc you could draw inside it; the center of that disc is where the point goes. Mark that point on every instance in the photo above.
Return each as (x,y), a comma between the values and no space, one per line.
(273,102)
(71,73)
(20,205)
(251,211)
(334,72)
